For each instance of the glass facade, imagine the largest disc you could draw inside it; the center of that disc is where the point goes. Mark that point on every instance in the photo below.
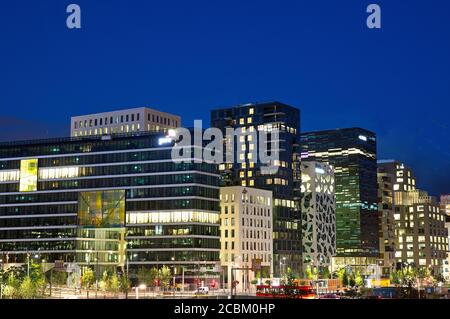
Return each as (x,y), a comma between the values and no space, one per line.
(284,183)
(104,202)
(352,152)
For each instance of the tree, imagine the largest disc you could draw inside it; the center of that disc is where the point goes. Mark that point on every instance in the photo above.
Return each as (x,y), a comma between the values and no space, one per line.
(165,276)
(124,285)
(395,277)
(87,280)
(59,278)
(153,275)
(114,285)
(11,290)
(325,273)
(290,284)
(345,280)
(311,273)
(104,282)
(308,273)
(359,282)
(351,281)
(27,289)
(146,276)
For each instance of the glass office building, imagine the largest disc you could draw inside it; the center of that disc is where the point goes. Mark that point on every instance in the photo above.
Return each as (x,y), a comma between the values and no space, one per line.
(111,201)
(352,152)
(247,170)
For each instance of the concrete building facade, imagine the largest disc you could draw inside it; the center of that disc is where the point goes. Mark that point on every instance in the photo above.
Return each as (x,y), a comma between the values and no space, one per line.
(246,252)
(141,119)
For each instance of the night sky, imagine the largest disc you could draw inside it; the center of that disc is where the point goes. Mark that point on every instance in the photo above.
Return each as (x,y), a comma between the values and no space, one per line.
(187,57)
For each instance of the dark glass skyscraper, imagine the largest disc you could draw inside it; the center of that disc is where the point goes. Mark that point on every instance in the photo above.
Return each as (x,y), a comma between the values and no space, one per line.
(284,183)
(353,153)
(110,201)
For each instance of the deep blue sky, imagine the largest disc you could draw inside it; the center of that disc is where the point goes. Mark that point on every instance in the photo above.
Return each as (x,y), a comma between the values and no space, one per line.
(187,57)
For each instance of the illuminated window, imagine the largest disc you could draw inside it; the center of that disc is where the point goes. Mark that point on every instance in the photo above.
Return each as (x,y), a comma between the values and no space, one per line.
(9,176)
(249,120)
(28,175)
(252,182)
(251,111)
(241,121)
(58,172)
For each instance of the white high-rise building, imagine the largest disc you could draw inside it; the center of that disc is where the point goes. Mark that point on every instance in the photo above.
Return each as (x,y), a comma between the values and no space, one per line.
(318,206)
(141,119)
(246,239)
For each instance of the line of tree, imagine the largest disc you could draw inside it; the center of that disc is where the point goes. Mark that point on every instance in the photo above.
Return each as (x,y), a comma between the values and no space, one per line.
(21,283)
(155,277)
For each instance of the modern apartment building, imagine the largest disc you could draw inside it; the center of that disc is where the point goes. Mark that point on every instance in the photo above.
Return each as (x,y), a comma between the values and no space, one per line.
(352,152)
(318,206)
(386,210)
(249,171)
(445,209)
(141,119)
(421,236)
(108,202)
(246,235)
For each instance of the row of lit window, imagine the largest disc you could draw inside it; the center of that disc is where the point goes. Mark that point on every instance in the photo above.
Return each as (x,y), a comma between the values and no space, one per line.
(104,121)
(421,239)
(284,203)
(277,181)
(123,128)
(9,176)
(246,198)
(405,187)
(172,217)
(423,262)
(58,172)
(124,118)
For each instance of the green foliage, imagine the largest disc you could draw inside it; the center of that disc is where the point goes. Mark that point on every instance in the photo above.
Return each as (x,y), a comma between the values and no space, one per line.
(88,278)
(104,283)
(351,281)
(28,289)
(325,273)
(359,282)
(114,284)
(59,278)
(345,279)
(165,276)
(124,283)
(146,276)
(154,274)
(311,273)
